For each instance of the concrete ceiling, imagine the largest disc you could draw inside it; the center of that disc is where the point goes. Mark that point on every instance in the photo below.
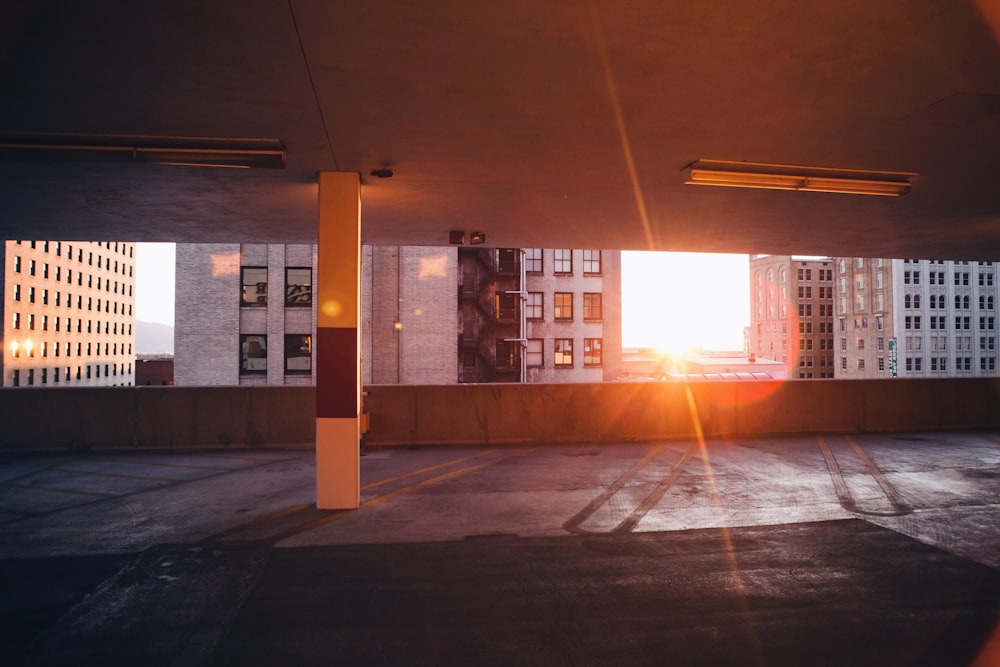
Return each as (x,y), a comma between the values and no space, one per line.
(540,123)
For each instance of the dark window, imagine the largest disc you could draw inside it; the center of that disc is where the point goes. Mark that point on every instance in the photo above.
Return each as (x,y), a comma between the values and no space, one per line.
(298,353)
(298,286)
(254,286)
(253,354)
(508,353)
(507,306)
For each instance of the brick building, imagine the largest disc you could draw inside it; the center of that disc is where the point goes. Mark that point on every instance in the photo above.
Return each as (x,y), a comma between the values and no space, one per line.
(245,315)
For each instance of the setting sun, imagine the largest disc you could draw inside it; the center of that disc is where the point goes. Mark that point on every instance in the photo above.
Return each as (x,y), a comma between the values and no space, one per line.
(678,301)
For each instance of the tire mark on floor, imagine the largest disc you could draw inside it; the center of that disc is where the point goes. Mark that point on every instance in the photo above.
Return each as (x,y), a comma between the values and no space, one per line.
(573,525)
(844,495)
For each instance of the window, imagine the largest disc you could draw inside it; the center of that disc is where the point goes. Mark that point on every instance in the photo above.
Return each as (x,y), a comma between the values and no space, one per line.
(298,353)
(592,262)
(533,260)
(592,306)
(254,282)
(592,355)
(861,364)
(564,305)
(508,353)
(843,363)
(508,260)
(563,261)
(253,354)
(861,343)
(533,306)
(535,356)
(563,352)
(506,305)
(298,286)
(881,364)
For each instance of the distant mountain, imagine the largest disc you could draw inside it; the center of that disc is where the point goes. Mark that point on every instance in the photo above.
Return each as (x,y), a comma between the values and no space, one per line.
(153,338)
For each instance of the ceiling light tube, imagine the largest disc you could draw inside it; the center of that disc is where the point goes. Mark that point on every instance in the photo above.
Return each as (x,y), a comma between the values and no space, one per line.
(187,151)
(727,173)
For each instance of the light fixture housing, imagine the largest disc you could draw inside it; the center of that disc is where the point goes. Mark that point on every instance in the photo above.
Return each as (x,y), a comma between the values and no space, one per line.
(477,238)
(727,173)
(227,152)
(456,237)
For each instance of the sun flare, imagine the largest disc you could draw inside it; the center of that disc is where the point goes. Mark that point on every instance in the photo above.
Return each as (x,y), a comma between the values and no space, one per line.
(679,302)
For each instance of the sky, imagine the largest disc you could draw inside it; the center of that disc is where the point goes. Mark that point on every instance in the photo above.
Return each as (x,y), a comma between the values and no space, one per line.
(670,301)
(678,301)
(154,282)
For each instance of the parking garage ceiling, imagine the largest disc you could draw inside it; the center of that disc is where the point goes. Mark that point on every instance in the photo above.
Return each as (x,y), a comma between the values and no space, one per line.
(539,123)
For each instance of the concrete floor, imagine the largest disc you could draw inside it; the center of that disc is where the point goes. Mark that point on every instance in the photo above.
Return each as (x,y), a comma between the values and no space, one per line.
(819,550)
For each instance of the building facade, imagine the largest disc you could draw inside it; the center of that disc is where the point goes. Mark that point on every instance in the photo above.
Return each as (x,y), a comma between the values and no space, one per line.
(539,315)
(888,318)
(68,313)
(946,317)
(429,315)
(244,314)
(791,314)
(864,322)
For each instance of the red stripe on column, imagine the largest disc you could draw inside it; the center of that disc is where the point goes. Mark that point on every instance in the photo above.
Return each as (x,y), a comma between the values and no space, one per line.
(336,372)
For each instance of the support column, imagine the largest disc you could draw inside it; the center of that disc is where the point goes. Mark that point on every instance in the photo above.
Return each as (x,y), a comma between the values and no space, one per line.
(338,343)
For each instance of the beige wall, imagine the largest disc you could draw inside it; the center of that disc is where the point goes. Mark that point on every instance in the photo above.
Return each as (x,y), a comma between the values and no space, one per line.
(195,417)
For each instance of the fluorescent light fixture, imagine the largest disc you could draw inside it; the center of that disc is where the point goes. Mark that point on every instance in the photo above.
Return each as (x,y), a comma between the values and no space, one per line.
(227,152)
(733,174)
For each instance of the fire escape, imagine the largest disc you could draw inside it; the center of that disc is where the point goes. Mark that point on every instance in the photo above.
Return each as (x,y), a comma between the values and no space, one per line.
(491,309)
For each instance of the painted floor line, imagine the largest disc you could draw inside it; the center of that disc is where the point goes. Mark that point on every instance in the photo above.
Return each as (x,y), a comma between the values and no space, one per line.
(339,514)
(56,489)
(421,471)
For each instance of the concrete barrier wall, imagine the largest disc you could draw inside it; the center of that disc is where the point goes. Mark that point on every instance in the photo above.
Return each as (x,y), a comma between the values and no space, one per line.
(200,417)
(615,412)
(156,417)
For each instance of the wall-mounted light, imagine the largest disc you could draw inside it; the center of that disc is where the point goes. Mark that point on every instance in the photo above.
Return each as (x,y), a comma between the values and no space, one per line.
(727,173)
(477,238)
(456,237)
(227,152)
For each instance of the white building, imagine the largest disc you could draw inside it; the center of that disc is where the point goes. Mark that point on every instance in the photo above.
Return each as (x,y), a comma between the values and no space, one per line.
(945,317)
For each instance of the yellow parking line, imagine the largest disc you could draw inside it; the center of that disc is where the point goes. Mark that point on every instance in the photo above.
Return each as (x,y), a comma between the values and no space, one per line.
(428,469)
